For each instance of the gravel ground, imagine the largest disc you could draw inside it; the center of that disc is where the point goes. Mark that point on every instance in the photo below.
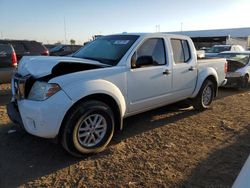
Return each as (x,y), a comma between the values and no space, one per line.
(166,147)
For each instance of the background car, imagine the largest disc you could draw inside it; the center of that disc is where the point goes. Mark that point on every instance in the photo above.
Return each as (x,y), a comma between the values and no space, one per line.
(8,62)
(26,48)
(50,46)
(238,68)
(205,49)
(63,49)
(216,49)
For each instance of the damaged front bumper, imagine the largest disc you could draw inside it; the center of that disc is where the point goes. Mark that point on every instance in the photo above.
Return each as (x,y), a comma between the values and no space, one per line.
(39,118)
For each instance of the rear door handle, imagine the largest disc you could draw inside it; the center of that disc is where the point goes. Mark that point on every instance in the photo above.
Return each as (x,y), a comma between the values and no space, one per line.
(191,68)
(166,72)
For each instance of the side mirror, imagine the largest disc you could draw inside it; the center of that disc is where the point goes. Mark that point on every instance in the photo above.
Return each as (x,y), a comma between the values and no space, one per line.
(144,61)
(141,61)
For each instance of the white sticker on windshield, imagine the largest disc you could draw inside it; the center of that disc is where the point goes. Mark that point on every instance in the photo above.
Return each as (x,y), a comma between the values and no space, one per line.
(121,42)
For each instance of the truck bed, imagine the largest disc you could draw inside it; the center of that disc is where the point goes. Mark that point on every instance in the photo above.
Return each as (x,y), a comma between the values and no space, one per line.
(218,64)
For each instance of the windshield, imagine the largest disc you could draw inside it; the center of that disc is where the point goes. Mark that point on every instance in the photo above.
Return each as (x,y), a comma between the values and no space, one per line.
(218,49)
(56,48)
(108,49)
(238,57)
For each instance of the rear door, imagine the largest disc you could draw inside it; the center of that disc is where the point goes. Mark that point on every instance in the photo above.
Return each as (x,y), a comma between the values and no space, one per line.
(184,68)
(149,85)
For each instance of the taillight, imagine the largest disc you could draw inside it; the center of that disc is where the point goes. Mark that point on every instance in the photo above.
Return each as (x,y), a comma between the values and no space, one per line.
(45,52)
(225,68)
(13,59)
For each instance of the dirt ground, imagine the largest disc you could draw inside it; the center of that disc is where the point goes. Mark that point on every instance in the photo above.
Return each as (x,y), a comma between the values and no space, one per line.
(166,147)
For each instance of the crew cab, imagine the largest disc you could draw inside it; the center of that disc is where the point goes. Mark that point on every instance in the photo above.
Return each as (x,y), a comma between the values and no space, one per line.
(83,99)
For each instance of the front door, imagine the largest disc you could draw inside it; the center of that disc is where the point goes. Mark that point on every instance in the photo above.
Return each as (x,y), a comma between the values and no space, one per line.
(150,83)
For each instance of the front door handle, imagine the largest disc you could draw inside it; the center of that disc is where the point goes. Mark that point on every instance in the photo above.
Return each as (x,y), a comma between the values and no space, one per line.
(166,72)
(191,68)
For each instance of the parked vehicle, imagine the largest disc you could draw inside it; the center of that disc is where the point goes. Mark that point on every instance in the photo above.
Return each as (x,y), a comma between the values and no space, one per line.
(8,62)
(238,69)
(50,46)
(216,49)
(26,48)
(205,49)
(83,99)
(62,50)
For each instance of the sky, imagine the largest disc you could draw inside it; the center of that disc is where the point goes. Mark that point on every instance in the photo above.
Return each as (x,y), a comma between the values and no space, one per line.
(48,21)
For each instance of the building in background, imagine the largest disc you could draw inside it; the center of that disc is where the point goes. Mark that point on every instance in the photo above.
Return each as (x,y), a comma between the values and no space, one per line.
(208,38)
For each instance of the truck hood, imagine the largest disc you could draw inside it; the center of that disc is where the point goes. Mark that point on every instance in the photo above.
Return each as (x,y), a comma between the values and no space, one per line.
(40,66)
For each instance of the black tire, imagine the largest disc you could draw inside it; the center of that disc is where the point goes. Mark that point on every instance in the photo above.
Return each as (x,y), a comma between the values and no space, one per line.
(200,102)
(81,119)
(244,83)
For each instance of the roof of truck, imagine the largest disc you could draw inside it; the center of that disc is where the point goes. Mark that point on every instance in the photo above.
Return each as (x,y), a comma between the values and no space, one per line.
(152,34)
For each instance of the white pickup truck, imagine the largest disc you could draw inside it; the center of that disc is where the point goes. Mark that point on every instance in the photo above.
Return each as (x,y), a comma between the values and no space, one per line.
(83,99)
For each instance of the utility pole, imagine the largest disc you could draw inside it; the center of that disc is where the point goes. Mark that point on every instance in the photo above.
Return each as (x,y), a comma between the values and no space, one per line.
(157,28)
(65,37)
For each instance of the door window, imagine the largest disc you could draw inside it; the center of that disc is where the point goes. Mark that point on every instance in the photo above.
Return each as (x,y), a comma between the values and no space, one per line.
(154,48)
(181,50)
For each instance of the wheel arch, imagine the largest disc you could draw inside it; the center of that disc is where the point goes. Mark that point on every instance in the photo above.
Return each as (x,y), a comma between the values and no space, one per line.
(204,75)
(102,97)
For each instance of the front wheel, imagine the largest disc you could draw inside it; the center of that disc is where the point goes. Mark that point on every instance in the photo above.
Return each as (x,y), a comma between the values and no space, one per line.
(205,96)
(89,127)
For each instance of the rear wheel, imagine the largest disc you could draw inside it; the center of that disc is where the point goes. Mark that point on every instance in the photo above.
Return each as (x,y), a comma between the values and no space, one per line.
(205,96)
(88,128)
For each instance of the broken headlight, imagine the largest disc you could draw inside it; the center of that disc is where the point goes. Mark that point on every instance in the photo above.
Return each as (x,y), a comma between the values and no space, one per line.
(42,90)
